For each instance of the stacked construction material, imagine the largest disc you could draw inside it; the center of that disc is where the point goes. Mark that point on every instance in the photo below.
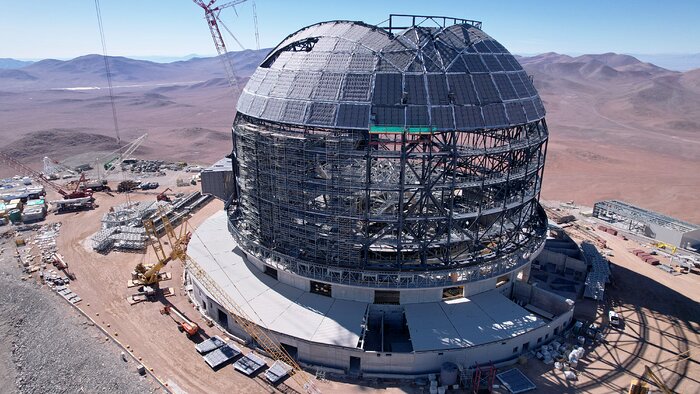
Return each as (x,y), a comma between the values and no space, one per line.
(607,229)
(645,257)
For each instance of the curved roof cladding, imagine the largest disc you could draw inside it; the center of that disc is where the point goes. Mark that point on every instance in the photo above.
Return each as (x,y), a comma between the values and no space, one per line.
(350,75)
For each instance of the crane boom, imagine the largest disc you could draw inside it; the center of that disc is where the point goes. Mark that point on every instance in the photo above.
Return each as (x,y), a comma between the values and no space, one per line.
(271,346)
(211,14)
(4,158)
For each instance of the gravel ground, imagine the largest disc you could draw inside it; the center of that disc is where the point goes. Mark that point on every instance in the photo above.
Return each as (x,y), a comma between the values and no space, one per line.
(47,346)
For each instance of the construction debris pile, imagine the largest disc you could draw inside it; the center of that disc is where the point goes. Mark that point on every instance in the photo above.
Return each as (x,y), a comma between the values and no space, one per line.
(122,227)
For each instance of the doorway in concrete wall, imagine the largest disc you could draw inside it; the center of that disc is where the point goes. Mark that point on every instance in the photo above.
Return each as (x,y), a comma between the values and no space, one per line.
(222,318)
(292,350)
(355,366)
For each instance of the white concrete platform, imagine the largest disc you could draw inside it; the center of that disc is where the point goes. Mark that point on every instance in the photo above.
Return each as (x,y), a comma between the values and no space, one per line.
(268,302)
(461,323)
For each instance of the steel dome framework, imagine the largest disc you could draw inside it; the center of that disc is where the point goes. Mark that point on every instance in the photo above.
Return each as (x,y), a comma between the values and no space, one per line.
(372,158)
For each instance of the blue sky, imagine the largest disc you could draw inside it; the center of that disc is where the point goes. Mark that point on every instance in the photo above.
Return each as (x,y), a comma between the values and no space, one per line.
(68,28)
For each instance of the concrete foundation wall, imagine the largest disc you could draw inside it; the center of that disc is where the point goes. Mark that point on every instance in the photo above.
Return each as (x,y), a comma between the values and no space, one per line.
(562,261)
(407,296)
(414,363)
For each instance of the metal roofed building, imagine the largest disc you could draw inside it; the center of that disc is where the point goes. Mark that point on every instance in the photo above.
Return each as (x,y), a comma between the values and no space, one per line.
(651,224)
(386,186)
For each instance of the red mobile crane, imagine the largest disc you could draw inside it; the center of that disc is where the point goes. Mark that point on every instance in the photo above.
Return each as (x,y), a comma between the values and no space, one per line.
(68,195)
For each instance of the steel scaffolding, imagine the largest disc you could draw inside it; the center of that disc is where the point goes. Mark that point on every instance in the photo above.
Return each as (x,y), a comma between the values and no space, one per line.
(387,201)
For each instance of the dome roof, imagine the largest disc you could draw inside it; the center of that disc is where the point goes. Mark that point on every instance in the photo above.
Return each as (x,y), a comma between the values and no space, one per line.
(351,75)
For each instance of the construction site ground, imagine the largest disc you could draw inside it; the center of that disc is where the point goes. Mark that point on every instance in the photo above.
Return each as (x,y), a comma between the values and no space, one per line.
(153,338)
(660,314)
(661,322)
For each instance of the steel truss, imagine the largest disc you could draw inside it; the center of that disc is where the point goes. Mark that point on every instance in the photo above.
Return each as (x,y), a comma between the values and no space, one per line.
(387,202)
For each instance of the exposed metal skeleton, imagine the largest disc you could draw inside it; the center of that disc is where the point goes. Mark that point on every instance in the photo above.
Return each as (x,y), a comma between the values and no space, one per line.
(387,201)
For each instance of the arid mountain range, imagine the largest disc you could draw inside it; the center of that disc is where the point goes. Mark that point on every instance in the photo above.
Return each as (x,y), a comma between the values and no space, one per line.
(620,128)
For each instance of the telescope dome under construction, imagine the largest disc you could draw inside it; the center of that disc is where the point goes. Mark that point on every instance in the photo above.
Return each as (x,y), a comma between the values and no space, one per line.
(385,201)
(417,148)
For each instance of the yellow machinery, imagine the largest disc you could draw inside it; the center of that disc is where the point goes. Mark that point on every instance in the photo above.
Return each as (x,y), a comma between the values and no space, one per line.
(639,386)
(269,344)
(665,246)
(147,275)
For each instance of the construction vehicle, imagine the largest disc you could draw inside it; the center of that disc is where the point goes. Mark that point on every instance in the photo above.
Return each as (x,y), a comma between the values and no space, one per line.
(259,335)
(184,324)
(39,177)
(164,197)
(665,246)
(149,275)
(639,386)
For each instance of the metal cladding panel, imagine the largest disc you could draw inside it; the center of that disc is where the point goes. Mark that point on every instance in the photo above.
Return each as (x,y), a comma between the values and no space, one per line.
(495,114)
(530,111)
(442,77)
(293,112)
(415,88)
(356,87)
(417,115)
(328,87)
(468,118)
(437,88)
(389,116)
(303,85)
(492,64)
(474,63)
(283,85)
(504,86)
(515,112)
(322,114)
(463,89)
(244,102)
(339,62)
(273,109)
(519,85)
(539,107)
(353,116)
(442,117)
(362,62)
(387,89)
(485,88)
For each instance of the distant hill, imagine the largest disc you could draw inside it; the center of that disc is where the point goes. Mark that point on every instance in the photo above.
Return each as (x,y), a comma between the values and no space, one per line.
(89,70)
(8,63)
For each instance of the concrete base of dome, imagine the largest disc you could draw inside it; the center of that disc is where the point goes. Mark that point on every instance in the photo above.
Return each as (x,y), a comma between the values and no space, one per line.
(362,337)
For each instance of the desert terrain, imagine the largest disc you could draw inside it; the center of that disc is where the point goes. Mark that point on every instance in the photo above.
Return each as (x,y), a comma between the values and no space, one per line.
(619,128)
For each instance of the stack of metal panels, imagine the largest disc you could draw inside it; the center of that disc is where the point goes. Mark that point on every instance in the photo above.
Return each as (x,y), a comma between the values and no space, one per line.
(221,355)
(210,344)
(249,364)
